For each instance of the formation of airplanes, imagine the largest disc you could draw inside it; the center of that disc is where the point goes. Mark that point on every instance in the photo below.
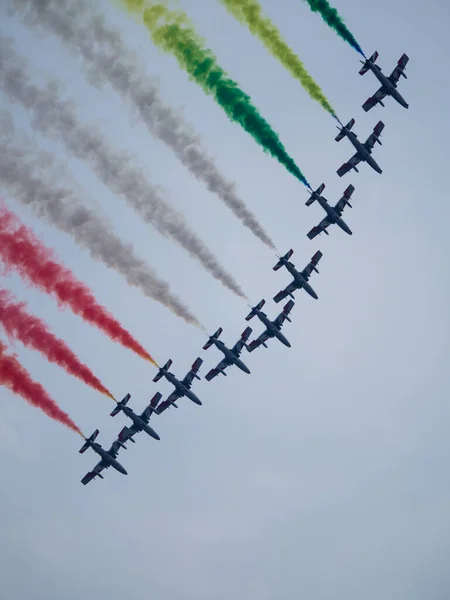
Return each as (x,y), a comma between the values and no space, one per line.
(300,280)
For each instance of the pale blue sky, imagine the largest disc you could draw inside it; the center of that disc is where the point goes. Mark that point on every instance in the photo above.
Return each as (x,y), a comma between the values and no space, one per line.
(323,474)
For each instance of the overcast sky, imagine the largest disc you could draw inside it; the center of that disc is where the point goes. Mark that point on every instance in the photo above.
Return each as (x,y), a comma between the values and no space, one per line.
(322,475)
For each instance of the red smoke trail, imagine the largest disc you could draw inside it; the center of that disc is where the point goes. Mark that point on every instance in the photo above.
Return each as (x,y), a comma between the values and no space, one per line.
(21,249)
(34,333)
(14,376)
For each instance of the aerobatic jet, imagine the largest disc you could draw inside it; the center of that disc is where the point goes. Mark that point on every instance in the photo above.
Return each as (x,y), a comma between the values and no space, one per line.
(301,278)
(363,151)
(108,457)
(231,355)
(182,388)
(273,328)
(388,84)
(334,213)
(140,422)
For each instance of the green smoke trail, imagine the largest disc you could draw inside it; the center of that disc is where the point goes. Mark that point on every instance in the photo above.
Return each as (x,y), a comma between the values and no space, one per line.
(249,12)
(172,32)
(331,17)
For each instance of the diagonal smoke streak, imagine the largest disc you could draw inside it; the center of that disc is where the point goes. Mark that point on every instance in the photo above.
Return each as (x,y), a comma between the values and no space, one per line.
(58,118)
(84,30)
(32,177)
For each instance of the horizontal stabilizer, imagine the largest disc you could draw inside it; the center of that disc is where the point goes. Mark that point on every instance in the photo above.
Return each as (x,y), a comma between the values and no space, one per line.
(280,263)
(120,404)
(214,336)
(372,60)
(252,313)
(86,444)
(160,373)
(314,195)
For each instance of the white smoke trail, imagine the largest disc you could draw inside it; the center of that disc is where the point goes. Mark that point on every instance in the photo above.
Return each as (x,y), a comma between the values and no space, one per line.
(58,118)
(107,59)
(32,177)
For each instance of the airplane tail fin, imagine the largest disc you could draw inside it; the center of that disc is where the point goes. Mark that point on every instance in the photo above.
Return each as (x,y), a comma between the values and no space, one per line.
(280,263)
(213,336)
(87,444)
(252,313)
(160,373)
(365,67)
(120,405)
(312,198)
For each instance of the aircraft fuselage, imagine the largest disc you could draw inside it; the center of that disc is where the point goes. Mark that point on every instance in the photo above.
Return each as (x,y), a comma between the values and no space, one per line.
(107,458)
(178,385)
(140,423)
(364,154)
(389,87)
(272,330)
(231,357)
(333,216)
(300,280)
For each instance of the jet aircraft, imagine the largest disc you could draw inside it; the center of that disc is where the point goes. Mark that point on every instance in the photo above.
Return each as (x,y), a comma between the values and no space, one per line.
(388,84)
(182,388)
(273,328)
(231,355)
(334,213)
(108,457)
(301,278)
(140,422)
(363,151)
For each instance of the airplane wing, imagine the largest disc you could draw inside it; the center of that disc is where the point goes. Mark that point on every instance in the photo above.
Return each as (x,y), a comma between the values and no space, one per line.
(324,223)
(312,265)
(174,396)
(187,381)
(95,471)
(375,99)
(217,370)
(373,137)
(127,433)
(341,204)
(346,167)
(151,408)
(288,290)
(396,73)
(259,341)
(237,348)
(114,450)
(283,315)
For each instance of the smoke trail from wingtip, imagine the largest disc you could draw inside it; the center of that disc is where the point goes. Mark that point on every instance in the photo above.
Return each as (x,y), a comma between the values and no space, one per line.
(21,250)
(59,119)
(172,32)
(31,175)
(249,12)
(18,323)
(107,59)
(14,376)
(332,18)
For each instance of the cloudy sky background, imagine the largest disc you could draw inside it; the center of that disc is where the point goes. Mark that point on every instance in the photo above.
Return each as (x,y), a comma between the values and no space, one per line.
(322,474)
